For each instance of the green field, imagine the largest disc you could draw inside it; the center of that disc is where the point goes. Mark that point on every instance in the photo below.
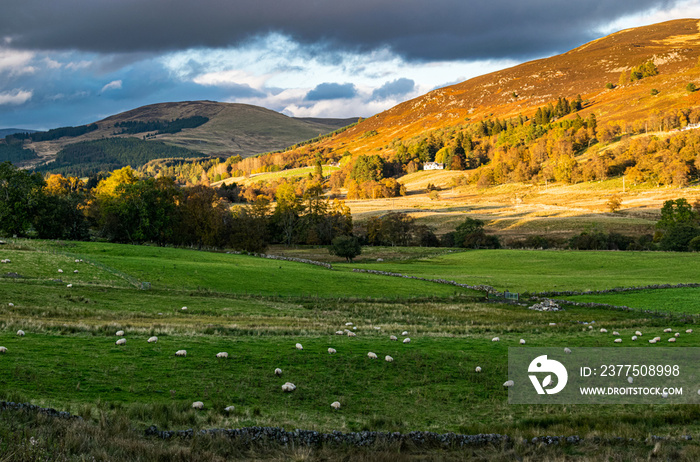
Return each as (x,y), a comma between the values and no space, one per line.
(68,358)
(680,300)
(536,271)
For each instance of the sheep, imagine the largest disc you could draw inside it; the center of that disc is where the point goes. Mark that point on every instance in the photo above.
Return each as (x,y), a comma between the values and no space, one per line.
(348,324)
(77,261)
(120,333)
(677,334)
(388,359)
(522,341)
(153,339)
(222,354)
(652,340)
(352,334)
(478,369)
(393,338)
(552,324)
(331,351)
(407,340)
(590,327)
(69,286)
(638,334)
(335,405)
(495,339)
(198,405)
(672,339)
(10,304)
(339,332)
(630,379)
(371,355)
(689,331)
(181,353)
(377,328)
(618,340)
(60,270)
(278,371)
(508,383)
(354,328)
(75,271)
(298,346)
(567,351)
(658,339)
(634,337)
(289,387)
(20,333)
(616,333)
(230,408)
(121,341)
(3,349)
(404,333)
(184,308)
(668,331)
(603,331)
(664,395)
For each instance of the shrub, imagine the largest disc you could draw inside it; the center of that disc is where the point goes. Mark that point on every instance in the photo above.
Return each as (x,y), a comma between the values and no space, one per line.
(609,86)
(691,87)
(654,92)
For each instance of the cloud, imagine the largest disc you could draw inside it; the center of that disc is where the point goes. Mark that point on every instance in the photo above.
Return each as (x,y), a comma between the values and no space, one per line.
(15,97)
(113,85)
(398,87)
(232,77)
(325,91)
(16,62)
(448,29)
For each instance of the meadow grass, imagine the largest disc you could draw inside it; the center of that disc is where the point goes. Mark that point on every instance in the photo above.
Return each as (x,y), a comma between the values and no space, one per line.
(676,300)
(536,270)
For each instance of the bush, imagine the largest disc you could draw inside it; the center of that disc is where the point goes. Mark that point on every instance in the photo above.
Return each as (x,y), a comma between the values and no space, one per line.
(609,86)
(654,92)
(694,244)
(691,87)
(345,247)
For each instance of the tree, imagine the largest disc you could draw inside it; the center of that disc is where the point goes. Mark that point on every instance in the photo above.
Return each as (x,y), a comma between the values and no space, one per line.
(614,203)
(20,195)
(691,87)
(678,225)
(345,247)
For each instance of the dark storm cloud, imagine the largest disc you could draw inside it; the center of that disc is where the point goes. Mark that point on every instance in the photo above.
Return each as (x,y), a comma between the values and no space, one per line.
(398,87)
(331,91)
(446,29)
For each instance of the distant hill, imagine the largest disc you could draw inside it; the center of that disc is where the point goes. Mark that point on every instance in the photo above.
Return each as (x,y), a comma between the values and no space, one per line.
(11,131)
(230,129)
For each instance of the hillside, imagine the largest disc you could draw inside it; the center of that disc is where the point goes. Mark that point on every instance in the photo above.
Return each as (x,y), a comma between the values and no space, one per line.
(231,129)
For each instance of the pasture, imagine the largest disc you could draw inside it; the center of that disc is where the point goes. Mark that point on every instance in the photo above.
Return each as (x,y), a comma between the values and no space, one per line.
(68,358)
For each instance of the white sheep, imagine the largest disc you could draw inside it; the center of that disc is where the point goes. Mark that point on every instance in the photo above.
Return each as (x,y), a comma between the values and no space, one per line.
(689,331)
(388,359)
(634,337)
(3,349)
(335,405)
(590,327)
(495,339)
(153,339)
(278,371)
(181,353)
(120,333)
(339,332)
(677,334)
(393,338)
(184,308)
(658,339)
(371,355)
(630,379)
(20,333)
(404,333)
(616,333)
(298,346)
(664,395)
(667,331)
(567,351)
(354,328)
(672,339)
(10,305)
(352,334)
(121,341)
(508,383)
(289,387)
(478,369)
(552,324)
(75,271)
(652,340)
(348,324)
(522,341)
(222,354)
(618,340)
(230,408)
(69,286)
(331,351)
(377,328)
(638,334)
(604,331)
(77,261)
(198,405)
(60,270)
(407,340)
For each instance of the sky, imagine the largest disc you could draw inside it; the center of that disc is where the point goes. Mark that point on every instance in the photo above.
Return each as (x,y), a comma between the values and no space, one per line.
(72,62)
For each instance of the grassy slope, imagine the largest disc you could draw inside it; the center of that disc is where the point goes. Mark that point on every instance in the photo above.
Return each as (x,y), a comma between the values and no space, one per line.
(683,300)
(532,270)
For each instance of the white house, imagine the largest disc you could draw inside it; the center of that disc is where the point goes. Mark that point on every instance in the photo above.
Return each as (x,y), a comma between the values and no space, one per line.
(433,166)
